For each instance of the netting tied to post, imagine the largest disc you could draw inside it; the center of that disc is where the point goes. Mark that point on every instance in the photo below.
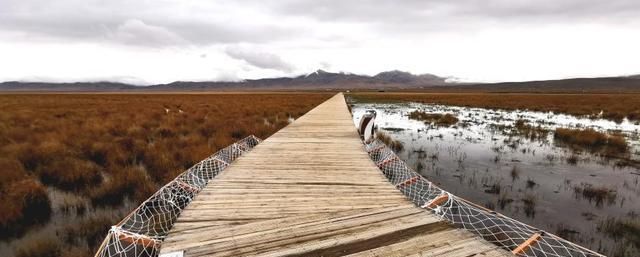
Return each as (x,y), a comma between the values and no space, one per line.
(142,231)
(517,237)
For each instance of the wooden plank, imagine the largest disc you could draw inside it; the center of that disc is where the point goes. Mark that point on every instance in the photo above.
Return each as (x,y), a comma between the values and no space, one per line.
(312,190)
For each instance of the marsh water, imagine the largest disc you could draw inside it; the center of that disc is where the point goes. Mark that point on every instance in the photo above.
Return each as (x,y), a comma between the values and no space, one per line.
(480,158)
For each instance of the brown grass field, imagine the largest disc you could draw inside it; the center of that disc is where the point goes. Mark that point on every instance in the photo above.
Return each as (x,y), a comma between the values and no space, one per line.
(613,106)
(71,165)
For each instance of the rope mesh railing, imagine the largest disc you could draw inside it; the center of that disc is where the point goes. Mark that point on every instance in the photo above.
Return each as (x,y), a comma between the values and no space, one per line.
(143,230)
(517,237)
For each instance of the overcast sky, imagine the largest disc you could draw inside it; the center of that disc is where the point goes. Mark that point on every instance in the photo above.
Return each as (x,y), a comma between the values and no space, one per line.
(160,41)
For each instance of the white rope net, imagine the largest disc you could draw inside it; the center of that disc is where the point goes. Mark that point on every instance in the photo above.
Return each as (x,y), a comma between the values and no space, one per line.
(141,232)
(517,237)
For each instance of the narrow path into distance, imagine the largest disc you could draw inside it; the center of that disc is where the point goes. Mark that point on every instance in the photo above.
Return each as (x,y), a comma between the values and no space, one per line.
(312,190)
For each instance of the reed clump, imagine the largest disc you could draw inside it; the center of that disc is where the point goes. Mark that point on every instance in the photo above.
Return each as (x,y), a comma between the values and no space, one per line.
(596,194)
(573,159)
(613,145)
(438,119)
(523,128)
(395,145)
(71,174)
(42,245)
(529,201)
(24,200)
(90,230)
(625,229)
(129,182)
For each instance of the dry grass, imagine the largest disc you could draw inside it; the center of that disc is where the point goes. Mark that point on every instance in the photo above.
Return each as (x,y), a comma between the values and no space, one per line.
(445,120)
(128,182)
(573,159)
(90,230)
(596,142)
(395,145)
(596,194)
(24,200)
(504,200)
(625,230)
(111,149)
(24,203)
(613,106)
(41,245)
(528,131)
(529,202)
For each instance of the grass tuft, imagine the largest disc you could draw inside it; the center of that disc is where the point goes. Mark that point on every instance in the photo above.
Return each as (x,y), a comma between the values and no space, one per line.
(528,131)
(444,120)
(42,245)
(597,194)
(591,140)
(129,182)
(71,174)
(90,230)
(529,202)
(24,203)
(395,145)
(626,230)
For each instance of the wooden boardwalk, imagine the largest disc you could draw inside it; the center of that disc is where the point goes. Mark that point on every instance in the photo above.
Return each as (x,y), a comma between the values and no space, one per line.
(311,190)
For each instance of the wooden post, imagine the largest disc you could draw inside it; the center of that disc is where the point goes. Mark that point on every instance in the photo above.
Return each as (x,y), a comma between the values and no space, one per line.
(523,247)
(408,181)
(385,162)
(437,201)
(137,239)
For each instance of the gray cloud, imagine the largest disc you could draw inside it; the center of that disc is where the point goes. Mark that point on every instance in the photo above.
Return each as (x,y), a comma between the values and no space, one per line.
(364,36)
(411,10)
(136,32)
(149,23)
(413,17)
(136,22)
(259,59)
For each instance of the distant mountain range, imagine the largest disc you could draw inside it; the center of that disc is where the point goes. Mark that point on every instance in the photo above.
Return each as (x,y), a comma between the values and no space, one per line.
(319,80)
(323,80)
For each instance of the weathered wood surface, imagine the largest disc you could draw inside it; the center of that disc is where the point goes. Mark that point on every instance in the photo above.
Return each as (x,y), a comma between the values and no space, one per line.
(311,190)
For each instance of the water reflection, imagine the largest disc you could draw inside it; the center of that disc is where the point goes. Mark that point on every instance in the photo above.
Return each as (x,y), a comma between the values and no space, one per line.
(508,161)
